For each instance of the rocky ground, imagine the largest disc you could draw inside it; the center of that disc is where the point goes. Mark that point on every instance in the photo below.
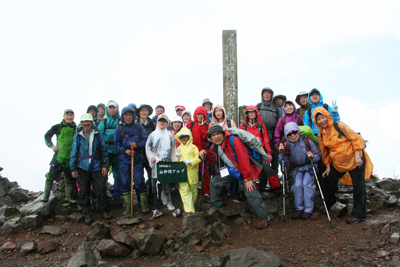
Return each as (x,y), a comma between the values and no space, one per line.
(53,234)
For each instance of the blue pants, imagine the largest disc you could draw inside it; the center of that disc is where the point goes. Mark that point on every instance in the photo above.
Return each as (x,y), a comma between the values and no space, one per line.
(138,176)
(303,191)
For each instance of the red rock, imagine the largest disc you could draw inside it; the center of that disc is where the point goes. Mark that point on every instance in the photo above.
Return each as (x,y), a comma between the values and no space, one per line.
(8,246)
(111,248)
(46,247)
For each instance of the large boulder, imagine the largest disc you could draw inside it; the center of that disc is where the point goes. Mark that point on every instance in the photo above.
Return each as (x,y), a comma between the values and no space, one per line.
(83,257)
(150,243)
(194,222)
(99,231)
(111,248)
(389,184)
(121,237)
(18,194)
(31,222)
(246,257)
(40,208)
(189,256)
(11,224)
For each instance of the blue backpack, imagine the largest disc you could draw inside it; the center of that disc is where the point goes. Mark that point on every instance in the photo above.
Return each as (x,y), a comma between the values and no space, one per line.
(251,152)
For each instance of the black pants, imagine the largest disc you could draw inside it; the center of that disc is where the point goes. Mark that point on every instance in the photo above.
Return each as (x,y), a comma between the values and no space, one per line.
(99,189)
(56,169)
(275,157)
(359,195)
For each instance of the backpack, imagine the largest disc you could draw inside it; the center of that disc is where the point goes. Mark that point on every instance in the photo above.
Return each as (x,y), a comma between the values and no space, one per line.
(259,127)
(60,126)
(105,125)
(192,125)
(121,129)
(305,131)
(309,110)
(287,150)
(228,122)
(253,145)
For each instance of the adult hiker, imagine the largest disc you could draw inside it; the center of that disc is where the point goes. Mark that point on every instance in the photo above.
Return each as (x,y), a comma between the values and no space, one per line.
(270,114)
(93,110)
(253,124)
(186,117)
(159,110)
(199,128)
(301,100)
(179,109)
(89,165)
(107,128)
(160,146)
(223,156)
(344,155)
(177,125)
(130,139)
(218,116)
(279,100)
(59,164)
(208,105)
(290,116)
(316,100)
(188,154)
(133,106)
(102,112)
(298,150)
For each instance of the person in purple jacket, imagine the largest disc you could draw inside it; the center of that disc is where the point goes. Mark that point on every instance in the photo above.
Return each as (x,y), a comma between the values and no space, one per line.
(290,115)
(298,150)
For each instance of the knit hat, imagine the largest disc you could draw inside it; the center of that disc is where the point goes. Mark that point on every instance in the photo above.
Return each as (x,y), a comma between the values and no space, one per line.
(215,129)
(87,117)
(144,106)
(164,117)
(206,101)
(68,110)
(160,106)
(101,105)
(300,95)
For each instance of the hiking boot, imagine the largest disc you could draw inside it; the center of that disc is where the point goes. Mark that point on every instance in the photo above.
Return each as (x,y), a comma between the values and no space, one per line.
(170,207)
(117,202)
(69,188)
(157,213)
(306,216)
(144,203)
(106,216)
(127,200)
(262,223)
(88,218)
(354,220)
(297,214)
(177,213)
(47,190)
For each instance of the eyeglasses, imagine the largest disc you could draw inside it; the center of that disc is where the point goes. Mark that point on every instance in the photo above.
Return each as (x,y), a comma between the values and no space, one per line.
(292,133)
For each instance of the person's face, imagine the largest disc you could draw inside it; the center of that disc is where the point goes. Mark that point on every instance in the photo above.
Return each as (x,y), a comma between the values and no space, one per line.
(303,99)
(314,97)
(128,117)
(200,117)
(207,106)
(217,138)
(293,136)
(179,112)
(184,139)
(267,96)
(112,110)
(322,121)
(186,118)
(69,117)
(101,111)
(219,114)
(159,111)
(279,102)
(162,124)
(289,108)
(251,115)
(93,113)
(144,112)
(87,126)
(176,125)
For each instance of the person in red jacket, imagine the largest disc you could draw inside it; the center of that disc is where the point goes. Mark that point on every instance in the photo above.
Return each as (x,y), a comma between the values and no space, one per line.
(253,124)
(228,164)
(199,128)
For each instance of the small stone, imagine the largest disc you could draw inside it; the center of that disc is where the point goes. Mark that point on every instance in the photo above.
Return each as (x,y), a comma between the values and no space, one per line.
(8,246)
(111,248)
(381,254)
(28,247)
(76,217)
(53,230)
(336,254)
(129,221)
(47,247)
(31,221)
(394,238)
(142,226)
(385,230)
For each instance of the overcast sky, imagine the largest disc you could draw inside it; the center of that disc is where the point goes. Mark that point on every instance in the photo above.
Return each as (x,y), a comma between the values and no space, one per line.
(71,54)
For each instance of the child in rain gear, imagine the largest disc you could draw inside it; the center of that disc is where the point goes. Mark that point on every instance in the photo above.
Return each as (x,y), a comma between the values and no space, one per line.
(297,153)
(160,146)
(65,132)
(188,154)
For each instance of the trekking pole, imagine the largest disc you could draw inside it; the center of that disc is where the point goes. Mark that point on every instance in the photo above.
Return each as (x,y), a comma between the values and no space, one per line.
(132,163)
(283,186)
(201,187)
(320,190)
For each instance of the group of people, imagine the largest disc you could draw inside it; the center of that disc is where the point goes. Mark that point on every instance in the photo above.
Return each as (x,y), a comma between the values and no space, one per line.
(302,140)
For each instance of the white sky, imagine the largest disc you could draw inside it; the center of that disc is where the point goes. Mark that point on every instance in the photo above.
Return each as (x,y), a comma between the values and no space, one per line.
(56,55)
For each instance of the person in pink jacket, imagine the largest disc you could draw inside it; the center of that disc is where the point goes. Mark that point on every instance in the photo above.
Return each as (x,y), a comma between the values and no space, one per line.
(291,115)
(218,116)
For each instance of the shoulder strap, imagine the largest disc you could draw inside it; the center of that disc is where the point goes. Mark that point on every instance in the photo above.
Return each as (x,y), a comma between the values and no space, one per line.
(307,142)
(258,106)
(105,125)
(244,125)
(228,122)
(233,146)
(121,129)
(191,126)
(260,128)
(309,113)
(287,147)
(298,119)
(337,128)
(326,106)
(137,127)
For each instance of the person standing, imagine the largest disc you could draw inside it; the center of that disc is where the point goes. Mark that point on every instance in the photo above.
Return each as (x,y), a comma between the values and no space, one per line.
(208,105)
(218,116)
(159,110)
(102,112)
(301,100)
(64,132)
(89,164)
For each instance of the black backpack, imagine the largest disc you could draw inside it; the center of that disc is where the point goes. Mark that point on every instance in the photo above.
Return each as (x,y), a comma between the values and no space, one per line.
(259,127)
(309,110)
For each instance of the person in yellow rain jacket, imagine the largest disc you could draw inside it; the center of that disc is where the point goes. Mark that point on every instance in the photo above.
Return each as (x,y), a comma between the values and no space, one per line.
(188,154)
(343,155)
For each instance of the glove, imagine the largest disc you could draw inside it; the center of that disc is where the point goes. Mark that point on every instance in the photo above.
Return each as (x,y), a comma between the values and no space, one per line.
(334,107)
(187,162)
(178,155)
(270,157)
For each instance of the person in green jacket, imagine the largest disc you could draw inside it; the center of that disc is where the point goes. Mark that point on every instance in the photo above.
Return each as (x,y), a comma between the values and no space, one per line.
(302,101)
(62,151)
